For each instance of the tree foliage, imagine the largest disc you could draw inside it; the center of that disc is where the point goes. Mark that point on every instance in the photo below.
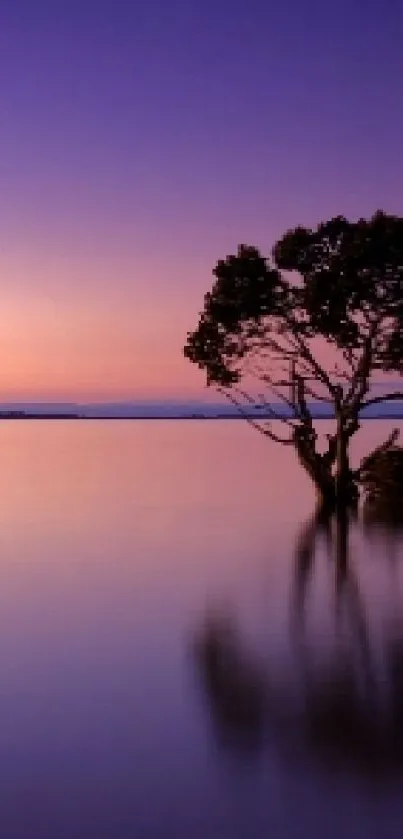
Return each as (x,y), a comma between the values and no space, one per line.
(267,320)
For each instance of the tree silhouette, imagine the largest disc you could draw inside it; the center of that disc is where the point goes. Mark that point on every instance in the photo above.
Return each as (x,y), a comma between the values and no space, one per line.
(314,322)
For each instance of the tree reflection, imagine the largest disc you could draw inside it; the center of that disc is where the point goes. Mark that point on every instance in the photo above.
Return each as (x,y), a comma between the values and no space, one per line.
(347,711)
(234,684)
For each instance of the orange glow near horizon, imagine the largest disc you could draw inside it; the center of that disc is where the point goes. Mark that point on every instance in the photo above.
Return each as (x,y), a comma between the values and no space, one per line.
(70,334)
(90,340)
(51,351)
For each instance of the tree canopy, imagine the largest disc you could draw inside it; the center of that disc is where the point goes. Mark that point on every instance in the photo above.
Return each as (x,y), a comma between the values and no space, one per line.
(315,321)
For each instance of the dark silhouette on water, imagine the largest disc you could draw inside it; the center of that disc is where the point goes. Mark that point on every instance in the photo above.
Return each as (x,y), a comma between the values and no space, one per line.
(382,479)
(346,711)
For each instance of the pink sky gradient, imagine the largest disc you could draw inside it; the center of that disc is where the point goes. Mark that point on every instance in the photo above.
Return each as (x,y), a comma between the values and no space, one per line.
(137,148)
(84,340)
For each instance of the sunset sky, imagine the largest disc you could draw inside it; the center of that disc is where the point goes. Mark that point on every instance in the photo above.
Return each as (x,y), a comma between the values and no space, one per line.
(142,141)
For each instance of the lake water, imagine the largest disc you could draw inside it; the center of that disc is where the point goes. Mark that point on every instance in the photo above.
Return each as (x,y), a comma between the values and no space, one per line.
(184,651)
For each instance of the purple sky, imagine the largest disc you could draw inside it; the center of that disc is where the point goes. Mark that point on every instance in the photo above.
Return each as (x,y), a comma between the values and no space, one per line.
(140,142)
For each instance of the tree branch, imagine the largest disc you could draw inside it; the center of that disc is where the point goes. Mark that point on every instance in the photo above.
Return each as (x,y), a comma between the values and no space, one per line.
(315,366)
(266,431)
(396,396)
(319,398)
(362,373)
(264,404)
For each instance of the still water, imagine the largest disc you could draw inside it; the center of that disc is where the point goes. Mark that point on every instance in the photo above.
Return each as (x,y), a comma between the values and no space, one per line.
(184,651)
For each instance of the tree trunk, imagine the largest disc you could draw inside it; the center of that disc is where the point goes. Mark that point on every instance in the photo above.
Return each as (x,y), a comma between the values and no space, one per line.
(325,487)
(320,475)
(335,488)
(346,492)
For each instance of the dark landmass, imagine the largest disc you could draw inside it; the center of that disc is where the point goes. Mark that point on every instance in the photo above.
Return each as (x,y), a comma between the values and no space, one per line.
(26,415)
(176,410)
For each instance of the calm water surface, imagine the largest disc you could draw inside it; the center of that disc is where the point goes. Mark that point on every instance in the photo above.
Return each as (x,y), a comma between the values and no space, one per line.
(184,651)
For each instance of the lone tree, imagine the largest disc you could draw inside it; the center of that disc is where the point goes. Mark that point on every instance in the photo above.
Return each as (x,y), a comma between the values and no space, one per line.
(312,324)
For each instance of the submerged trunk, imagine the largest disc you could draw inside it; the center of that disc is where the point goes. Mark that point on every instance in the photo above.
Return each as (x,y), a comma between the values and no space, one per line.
(335,484)
(325,491)
(320,475)
(346,491)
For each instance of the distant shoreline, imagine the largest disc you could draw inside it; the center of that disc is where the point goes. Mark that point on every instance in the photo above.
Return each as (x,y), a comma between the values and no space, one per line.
(223,417)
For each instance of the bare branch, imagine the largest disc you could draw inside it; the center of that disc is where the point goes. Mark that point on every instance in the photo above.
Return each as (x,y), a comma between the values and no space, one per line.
(315,395)
(315,366)
(278,393)
(396,396)
(362,373)
(274,387)
(268,407)
(272,411)
(274,345)
(266,431)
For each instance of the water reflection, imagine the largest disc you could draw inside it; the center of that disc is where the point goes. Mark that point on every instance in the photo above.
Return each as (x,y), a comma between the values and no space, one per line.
(233,682)
(339,700)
